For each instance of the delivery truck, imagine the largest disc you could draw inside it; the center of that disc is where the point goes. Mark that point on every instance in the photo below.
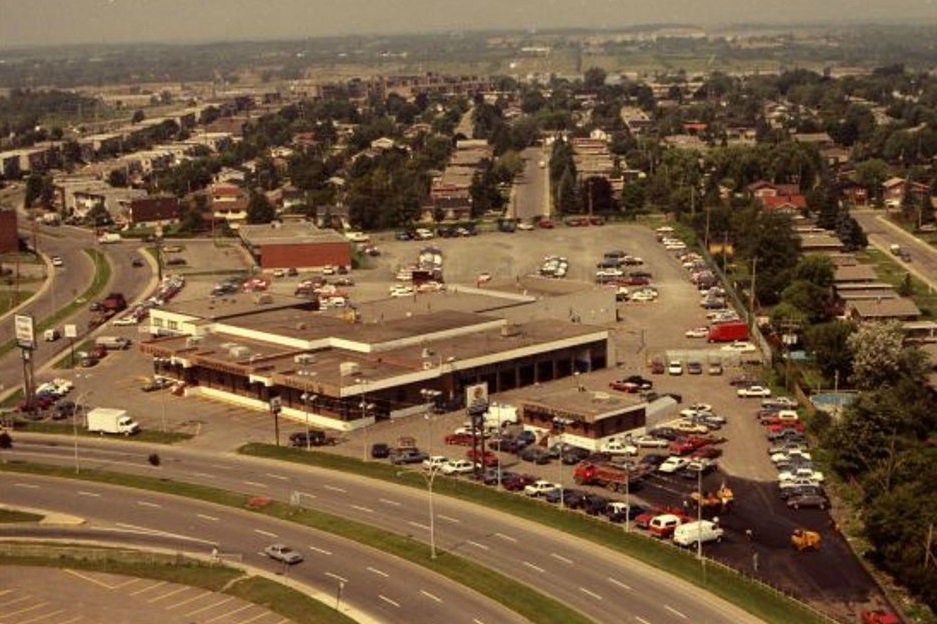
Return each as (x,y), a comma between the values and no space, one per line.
(728,332)
(111,420)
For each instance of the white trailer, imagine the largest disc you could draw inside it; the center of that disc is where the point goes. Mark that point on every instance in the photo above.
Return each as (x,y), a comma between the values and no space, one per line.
(111,420)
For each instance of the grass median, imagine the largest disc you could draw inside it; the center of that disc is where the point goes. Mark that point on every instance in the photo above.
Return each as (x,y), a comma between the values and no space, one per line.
(536,607)
(753,597)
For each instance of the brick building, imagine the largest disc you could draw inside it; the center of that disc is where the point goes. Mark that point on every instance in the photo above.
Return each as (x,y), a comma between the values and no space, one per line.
(155,210)
(295,245)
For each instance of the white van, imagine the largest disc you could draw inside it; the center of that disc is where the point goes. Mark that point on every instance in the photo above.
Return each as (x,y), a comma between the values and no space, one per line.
(693,533)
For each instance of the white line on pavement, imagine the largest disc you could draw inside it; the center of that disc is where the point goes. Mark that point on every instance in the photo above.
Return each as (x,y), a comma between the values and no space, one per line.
(429,595)
(336,577)
(265,533)
(206,517)
(388,600)
(533,567)
(561,558)
(506,537)
(332,488)
(476,544)
(378,572)
(321,550)
(619,583)
(360,508)
(674,611)
(590,593)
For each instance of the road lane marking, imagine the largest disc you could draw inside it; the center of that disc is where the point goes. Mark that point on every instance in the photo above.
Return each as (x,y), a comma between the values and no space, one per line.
(168,594)
(87,493)
(418,525)
(641,619)
(388,600)
(336,577)
(255,484)
(211,606)
(360,508)
(376,571)
(320,550)
(506,537)
(148,588)
(149,504)
(561,558)
(476,544)
(238,610)
(449,518)
(203,475)
(206,517)
(265,533)
(533,567)
(43,616)
(619,583)
(477,621)
(674,611)
(220,467)
(590,593)
(389,502)
(275,476)
(431,596)
(332,488)
(31,486)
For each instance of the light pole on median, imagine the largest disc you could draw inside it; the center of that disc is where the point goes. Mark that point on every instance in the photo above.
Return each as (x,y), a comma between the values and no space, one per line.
(429,397)
(308,398)
(75,416)
(432,514)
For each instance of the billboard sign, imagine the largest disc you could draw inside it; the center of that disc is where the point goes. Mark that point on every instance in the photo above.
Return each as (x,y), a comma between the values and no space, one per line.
(476,394)
(25,331)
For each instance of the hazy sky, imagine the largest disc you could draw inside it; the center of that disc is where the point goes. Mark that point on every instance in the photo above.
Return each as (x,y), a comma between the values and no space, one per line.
(32,22)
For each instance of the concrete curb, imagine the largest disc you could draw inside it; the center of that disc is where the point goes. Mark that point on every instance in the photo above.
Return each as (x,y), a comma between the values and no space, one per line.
(49,518)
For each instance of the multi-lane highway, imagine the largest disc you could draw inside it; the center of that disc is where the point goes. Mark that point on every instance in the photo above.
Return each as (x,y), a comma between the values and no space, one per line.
(603,585)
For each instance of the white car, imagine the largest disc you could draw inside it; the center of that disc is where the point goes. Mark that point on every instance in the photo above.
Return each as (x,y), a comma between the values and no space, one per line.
(675,368)
(57,261)
(754,392)
(434,461)
(125,320)
(740,346)
(795,454)
(279,272)
(800,474)
(539,488)
(649,441)
(526,227)
(672,464)
(457,467)
(401,291)
(283,553)
(697,332)
(616,447)
(644,294)
(686,426)
(357,237)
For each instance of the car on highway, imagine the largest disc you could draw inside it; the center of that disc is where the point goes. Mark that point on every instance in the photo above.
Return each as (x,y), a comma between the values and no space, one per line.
(749,392)
(283,553)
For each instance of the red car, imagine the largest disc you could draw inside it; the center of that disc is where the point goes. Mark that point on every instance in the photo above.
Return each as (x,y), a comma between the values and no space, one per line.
(546,224)
(707,452)
(460,439)
(518,482)
(488,459)
(643,521)
(879,616)
(795,425)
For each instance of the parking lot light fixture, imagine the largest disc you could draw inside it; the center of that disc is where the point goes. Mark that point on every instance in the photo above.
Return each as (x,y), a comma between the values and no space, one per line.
(429,396)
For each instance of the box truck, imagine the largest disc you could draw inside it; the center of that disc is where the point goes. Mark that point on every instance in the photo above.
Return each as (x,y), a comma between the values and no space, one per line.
(110,420)
(728,332)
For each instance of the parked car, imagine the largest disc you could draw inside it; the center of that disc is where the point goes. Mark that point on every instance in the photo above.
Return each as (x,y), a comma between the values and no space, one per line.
(618,511)
(804,501)
(697,332)
(282,552)
(380,450)
(633,383)
(539,487)
(675,368)
(457,467)
(753,392)
(535,454)
(617,447)
(518,482)
(801,473)
(650,441)
(673,464)
(407,456)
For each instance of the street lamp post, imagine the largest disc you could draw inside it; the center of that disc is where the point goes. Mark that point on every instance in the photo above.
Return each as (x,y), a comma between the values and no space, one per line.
(432,514)
(699,515)
(308,398)
(559,426)
(429,396)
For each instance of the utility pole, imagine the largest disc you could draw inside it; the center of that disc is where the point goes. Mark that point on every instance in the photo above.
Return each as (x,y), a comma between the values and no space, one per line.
(751,294)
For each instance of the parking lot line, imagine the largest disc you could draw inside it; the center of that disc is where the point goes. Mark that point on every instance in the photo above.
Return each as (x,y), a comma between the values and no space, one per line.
(254,618)
(41,617)
(168,594)
(9,614)
(188,600)
(90,579)
(148,588)
(211,606)
(238,610)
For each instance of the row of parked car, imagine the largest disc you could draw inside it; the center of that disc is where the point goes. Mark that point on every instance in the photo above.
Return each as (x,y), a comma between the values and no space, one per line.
(49,400)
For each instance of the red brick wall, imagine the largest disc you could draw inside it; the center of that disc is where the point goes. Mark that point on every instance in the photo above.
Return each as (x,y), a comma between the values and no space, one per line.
(305,256)
(9,238)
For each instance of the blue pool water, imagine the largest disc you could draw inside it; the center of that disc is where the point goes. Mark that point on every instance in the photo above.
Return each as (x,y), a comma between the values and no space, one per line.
(831,400)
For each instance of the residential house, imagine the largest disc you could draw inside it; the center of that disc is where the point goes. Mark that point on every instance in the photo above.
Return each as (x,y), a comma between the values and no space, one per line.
(153,211)
(229,202)
(881,309)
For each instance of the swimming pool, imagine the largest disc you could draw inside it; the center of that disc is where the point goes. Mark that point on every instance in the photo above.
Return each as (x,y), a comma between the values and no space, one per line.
(832,401)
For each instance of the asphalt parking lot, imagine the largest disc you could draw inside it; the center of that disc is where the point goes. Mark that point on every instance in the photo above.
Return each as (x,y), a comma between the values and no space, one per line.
(49,596)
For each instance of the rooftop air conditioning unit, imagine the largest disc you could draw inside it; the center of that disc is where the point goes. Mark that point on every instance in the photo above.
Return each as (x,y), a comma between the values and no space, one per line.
(192,341)
(510,329)
(304,358)
(427,364)
(349,368)
(239,351)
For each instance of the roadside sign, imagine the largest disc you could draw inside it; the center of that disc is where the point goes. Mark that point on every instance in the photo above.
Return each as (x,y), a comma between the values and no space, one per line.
(276,404)
(71,331)
(476,394)
(25,331)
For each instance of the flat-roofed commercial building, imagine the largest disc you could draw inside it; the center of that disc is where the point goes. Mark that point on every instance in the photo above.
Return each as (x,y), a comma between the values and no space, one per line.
(295,245)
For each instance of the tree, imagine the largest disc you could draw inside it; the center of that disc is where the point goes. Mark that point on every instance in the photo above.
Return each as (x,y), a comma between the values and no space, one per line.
(816,269)
(138,116)
(870,174)
(567,200)
(594,78)
(876,350)
(632,200)
(812,300)
(118,178)
(259,209)
(828,342)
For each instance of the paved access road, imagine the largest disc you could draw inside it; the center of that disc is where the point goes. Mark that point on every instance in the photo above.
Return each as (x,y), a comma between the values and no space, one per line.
(601,584)
(883,234)
(383,587)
